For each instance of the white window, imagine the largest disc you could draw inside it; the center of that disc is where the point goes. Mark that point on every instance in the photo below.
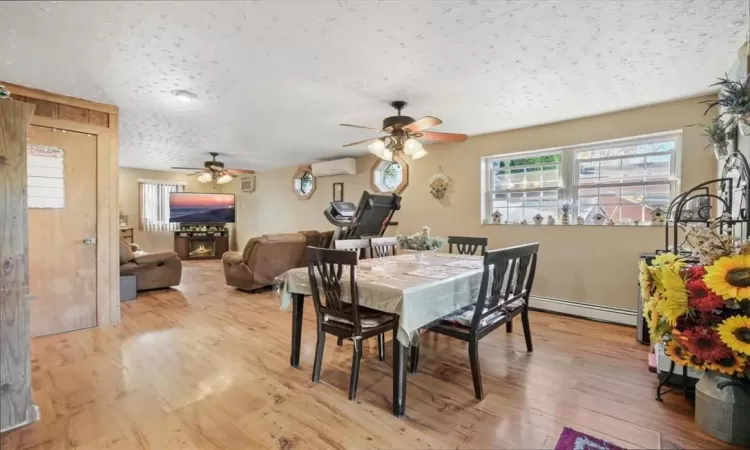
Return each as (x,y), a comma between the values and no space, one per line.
(624,179)
(154,204)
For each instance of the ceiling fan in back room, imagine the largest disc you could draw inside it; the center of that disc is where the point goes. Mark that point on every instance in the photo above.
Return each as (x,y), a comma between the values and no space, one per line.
(404,135)
(214,171)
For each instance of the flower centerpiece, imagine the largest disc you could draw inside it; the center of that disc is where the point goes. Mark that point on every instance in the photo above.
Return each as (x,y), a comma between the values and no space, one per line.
(421,242)
(701,313)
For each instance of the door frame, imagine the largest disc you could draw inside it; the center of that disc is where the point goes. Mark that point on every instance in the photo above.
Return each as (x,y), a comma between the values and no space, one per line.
(107,215)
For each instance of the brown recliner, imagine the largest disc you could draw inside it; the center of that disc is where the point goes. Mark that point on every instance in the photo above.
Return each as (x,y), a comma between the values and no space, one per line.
(151,270)
(263,259)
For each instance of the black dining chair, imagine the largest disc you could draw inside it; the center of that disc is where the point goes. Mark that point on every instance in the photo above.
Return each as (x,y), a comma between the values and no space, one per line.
(467,245)
(383,246)
(335,316)
(361,246)
(509,276)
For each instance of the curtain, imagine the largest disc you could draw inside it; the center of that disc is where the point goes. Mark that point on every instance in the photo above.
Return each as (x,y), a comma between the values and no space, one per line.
(154,205)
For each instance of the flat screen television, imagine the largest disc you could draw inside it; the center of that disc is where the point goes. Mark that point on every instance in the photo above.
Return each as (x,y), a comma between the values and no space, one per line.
(192,207)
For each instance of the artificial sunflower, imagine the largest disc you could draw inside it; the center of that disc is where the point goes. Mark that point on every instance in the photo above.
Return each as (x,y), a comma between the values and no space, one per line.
(675,299)
(677,353)
(645,280)
(732,364)
(729,276)
(705,344)
(669,259)
(735,333)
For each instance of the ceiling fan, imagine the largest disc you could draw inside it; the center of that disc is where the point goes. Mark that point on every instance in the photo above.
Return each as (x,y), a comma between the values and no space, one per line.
(214,171)
(404,135)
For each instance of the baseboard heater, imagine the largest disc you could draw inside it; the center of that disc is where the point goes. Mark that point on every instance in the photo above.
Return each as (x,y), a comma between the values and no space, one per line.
(584,310)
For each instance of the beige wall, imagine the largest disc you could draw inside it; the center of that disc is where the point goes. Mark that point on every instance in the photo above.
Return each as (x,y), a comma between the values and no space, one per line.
(152,241)
(586,264)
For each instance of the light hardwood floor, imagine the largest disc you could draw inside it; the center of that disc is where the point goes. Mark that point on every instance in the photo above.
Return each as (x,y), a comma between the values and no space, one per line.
(207,366)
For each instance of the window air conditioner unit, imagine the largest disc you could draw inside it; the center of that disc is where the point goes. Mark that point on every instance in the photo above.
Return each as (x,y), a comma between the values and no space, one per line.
(346,166)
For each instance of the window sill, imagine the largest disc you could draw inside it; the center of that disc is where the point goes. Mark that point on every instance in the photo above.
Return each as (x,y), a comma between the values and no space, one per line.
(658,227)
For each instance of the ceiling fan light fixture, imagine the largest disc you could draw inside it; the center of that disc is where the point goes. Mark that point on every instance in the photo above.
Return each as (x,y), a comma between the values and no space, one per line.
(387,155)
(412,146)
(204,177)
(224,179)
(420,154)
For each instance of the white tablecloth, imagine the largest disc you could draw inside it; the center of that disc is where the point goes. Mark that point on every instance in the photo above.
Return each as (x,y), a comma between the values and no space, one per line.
(418,293)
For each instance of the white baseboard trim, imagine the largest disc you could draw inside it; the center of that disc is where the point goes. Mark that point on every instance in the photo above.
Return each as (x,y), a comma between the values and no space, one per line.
(589,311)
(32,415)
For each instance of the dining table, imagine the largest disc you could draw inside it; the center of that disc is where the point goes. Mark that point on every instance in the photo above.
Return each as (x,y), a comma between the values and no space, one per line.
(419,289)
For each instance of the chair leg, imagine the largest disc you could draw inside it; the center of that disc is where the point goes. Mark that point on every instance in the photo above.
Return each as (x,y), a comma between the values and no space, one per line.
(527,330)
(381,347)
(339,341)
(357,356)
(319,354)
(414,359)
(476,374)
(509,326)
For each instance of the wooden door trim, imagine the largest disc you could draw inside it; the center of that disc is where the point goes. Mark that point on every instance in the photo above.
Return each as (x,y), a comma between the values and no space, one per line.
(39,94)
(107,231)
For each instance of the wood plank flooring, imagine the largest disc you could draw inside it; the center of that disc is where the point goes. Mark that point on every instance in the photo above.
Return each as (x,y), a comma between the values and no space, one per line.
(206,366)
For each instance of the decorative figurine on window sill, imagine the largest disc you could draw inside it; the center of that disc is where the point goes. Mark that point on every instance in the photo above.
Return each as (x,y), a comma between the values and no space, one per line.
(657,217)
(636,222)
(538,219)
(579,220)
(524,222)
(565,207)
(550,220)
(497,217)
(611,222)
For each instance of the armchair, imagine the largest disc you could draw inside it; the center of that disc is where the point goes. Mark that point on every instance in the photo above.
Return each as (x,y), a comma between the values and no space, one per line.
(151,270)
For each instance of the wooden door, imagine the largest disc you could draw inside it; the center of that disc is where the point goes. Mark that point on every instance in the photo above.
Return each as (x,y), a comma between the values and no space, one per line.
(62,266)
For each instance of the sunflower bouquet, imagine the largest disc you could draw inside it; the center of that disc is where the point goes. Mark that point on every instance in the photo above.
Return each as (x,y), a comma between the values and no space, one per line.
(701,312)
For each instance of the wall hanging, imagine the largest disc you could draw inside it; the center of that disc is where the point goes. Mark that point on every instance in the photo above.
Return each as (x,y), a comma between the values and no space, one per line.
(439,184)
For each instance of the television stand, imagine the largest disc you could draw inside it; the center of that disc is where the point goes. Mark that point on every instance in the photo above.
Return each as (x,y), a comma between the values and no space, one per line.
(194,242)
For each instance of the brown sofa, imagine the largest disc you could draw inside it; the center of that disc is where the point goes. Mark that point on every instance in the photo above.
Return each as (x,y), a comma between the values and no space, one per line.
(268,256)
(151,270)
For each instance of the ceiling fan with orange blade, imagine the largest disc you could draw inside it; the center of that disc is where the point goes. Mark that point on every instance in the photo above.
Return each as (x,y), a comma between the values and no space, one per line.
(404,134)
(214,171)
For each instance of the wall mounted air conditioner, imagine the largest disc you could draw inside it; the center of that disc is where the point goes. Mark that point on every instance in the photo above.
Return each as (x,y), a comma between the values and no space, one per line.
(346,166)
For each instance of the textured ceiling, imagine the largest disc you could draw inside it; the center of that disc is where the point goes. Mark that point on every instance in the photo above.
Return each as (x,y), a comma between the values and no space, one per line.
(275,78)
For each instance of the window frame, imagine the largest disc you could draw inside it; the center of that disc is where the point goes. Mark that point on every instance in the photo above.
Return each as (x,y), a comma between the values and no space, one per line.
(570,169)
(147,224)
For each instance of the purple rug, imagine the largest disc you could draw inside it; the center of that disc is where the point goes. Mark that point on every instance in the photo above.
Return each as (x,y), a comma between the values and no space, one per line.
(571,439)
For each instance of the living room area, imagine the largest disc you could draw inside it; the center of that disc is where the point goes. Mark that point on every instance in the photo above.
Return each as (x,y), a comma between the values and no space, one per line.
(340,224)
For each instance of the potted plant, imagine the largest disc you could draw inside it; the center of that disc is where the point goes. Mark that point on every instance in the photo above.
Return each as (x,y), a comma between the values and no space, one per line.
(734,99)
(716,132)
(701,313)
(421,243)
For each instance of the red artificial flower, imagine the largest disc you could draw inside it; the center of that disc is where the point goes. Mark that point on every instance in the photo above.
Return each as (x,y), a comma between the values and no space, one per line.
(705,344)
(696,272)
(700,296)
(706,304)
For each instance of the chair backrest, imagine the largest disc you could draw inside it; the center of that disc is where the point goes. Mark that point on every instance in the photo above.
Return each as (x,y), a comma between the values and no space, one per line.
(325,268)
(467,245)
(355,245)
(509,275)
(382,247)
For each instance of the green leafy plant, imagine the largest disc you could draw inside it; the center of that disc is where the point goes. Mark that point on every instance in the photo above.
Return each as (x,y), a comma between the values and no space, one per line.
(421,241)
(734,98)
(716,132)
